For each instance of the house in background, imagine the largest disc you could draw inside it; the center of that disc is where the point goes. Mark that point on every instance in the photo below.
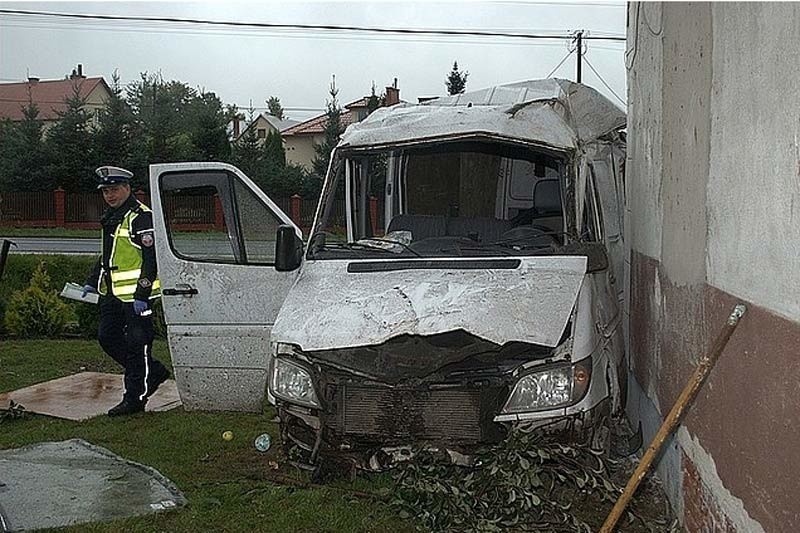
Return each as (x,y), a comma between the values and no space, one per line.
(50,96)
(299,140)
(263,124)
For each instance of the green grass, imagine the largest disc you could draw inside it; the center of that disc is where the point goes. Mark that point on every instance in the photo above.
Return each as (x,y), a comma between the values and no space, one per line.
(50,232)
(229,485)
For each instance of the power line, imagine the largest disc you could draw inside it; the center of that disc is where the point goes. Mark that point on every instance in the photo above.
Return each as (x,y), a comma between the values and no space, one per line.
(306,35)
(560,63)
(324,27)
(624,103)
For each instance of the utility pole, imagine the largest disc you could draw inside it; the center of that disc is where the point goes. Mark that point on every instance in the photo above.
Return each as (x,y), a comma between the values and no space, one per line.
(579,41)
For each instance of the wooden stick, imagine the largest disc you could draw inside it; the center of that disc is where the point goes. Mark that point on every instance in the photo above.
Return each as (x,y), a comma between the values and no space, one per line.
(675,416)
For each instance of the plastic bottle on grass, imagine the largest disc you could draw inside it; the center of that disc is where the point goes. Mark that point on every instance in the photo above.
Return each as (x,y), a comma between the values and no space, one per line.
(263,442)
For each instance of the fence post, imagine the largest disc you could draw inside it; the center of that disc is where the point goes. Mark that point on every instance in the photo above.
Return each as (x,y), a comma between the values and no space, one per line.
(219,222)
(141,196)
(294,208)
(60,201)
(373,214)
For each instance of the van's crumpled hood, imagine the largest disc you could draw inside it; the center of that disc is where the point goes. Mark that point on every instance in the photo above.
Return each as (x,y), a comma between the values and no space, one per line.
(329,307)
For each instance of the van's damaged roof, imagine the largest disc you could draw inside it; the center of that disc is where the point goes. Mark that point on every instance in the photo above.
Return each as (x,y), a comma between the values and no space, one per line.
(552,112)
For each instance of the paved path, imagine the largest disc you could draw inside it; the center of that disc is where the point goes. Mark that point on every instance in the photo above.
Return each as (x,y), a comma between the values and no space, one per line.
(216,248)
(50,245)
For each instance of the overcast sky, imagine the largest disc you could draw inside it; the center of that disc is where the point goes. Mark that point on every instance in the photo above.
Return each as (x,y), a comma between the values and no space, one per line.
(249,65)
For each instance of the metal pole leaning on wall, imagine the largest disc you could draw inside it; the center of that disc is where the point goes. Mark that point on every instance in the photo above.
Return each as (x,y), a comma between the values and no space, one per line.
(675,416)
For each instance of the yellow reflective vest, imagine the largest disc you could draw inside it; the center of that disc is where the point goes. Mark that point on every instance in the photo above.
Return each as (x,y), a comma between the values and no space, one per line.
(125,262)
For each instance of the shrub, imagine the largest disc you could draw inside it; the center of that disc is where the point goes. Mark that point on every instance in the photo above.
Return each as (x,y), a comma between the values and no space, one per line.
(37,311)
(61,269)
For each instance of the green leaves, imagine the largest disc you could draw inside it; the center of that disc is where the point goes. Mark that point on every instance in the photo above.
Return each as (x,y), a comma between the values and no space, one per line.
(456,81)
(528,482)
(37,311)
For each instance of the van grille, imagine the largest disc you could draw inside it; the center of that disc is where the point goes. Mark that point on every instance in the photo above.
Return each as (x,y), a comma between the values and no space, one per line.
(454,415)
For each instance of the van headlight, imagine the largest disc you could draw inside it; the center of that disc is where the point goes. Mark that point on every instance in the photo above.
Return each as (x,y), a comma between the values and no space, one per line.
(292,382)
(556,386)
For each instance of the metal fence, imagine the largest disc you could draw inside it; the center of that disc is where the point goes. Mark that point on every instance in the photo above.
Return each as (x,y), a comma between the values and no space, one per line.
(54,209)
(28,208)
(83,208)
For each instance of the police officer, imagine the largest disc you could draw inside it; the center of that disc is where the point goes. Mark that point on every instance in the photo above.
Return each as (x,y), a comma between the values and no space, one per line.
(125,277)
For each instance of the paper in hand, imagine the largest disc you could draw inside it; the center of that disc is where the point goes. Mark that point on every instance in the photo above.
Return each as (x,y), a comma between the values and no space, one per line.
(73,291)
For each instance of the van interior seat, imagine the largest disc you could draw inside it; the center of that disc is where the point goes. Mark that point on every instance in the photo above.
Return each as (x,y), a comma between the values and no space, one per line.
(428,226)
(547,205)
(484,229)
(420,226)
(547,197)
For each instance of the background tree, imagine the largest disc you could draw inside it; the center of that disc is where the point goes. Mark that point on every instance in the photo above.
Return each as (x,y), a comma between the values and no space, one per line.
(69,140)
(274,152)
(24,157)
(333,131)
(208,127)
(174,122)
(456,81)
(274,107)
(113,135)
(247,154)
(374,101)
(233,115)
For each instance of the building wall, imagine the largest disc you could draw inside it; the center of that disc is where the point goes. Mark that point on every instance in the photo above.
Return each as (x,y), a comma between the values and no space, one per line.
(713,219)
(300,149)
(96,102)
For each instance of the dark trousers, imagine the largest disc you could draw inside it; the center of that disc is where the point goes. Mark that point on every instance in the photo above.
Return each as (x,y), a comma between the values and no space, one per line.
(128,339)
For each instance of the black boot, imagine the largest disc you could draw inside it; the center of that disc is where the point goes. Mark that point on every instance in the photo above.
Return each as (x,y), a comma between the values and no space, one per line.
(126,407)
(156,381)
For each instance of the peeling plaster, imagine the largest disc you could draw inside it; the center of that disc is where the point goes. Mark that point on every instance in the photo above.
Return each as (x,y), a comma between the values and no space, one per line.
(728,504)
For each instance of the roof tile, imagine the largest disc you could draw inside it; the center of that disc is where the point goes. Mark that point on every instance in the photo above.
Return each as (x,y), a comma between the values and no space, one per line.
(48,95)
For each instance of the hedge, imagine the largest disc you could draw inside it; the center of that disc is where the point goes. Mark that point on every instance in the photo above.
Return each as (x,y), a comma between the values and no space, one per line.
(61,269)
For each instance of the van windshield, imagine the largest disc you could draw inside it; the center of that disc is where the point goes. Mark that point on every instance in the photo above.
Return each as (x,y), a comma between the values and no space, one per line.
(459,199)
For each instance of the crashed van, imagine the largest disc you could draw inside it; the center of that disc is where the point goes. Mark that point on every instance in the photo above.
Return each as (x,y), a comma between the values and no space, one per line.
(462,275)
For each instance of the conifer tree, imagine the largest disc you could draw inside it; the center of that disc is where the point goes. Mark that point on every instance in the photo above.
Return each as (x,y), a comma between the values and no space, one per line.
(275,108)
(456,81)
(333,131)
(70,141)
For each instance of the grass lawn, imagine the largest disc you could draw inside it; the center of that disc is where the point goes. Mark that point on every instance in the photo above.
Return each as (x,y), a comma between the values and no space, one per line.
(230,486)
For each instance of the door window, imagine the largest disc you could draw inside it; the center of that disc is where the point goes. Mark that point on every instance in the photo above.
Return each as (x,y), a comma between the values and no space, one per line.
(259,226)
(196,225)
(214,217)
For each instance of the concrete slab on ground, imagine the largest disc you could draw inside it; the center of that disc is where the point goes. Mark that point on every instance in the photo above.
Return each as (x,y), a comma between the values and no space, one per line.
(85,395)
(57,484)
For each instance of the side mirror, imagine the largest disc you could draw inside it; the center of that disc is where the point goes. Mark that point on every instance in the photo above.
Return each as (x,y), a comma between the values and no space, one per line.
(595,252)
(288,249)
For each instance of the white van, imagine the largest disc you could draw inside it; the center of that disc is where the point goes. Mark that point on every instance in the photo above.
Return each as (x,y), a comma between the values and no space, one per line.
(463,273)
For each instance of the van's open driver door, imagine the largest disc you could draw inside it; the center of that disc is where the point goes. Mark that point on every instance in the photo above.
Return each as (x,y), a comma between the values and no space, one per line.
(215,245)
